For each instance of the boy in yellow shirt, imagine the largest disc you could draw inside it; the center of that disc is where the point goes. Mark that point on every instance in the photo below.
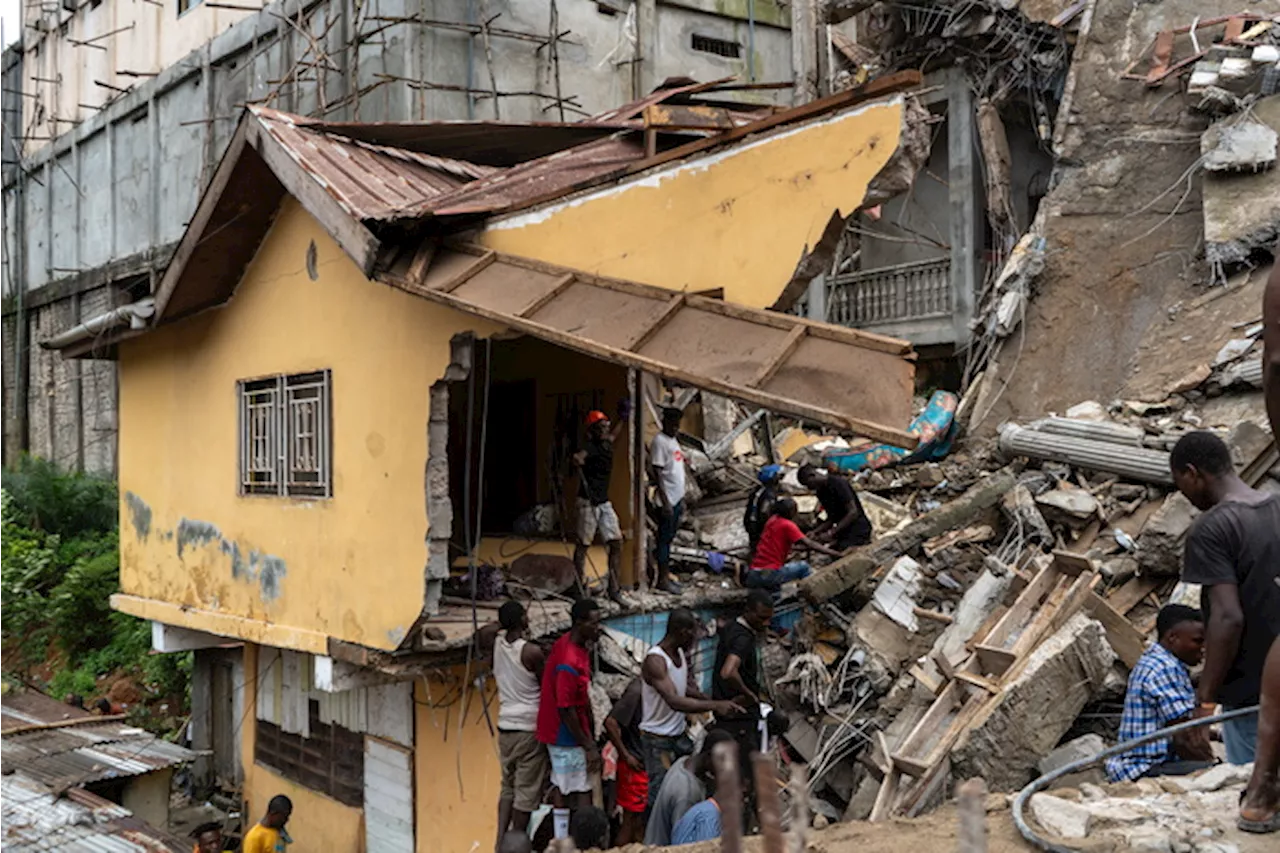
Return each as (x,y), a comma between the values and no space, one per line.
(268,835)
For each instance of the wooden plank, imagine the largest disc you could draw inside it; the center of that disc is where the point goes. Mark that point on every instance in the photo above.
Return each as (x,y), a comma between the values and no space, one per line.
(932,615)
(470,271)
(646,334)
(879,432)
(1072,564)
(194,232)
(910,766)
(885,797)
(355,239)
(1127,641)
(993,659)
(1074,600)
(1016,616)
(928,682)
(770,367)
(978,681)
(1125,598)
(421,261)
(686,117)
(840,334)
(560,286)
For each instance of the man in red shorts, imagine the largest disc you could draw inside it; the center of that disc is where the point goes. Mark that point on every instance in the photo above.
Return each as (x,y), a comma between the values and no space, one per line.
(622,726)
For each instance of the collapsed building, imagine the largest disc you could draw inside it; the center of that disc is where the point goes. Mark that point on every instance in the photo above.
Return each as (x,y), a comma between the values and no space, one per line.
(1029,238)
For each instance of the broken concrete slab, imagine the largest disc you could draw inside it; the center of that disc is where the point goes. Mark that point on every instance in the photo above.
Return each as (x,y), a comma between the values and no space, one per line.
(1020,507)
(1085,746)
(1242,211)
(1068,502)
(1214,779)
(1060,817)
(979,601)
(1163,536)
(1036,708)
(1238,145)
(896,595)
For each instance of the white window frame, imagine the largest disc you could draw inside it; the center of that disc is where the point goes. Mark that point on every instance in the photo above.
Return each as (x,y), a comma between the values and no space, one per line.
(285,430)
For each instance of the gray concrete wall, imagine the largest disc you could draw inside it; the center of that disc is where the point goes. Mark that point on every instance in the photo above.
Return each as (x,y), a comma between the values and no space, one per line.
(91,218)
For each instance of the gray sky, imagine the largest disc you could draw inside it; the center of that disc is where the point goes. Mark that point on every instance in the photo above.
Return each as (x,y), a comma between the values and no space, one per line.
(11,14)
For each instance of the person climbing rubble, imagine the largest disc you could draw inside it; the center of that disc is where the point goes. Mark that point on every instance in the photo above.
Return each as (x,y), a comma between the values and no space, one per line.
(1160,695)
(846,524)
(771,564)
(1233,552)
(760,504)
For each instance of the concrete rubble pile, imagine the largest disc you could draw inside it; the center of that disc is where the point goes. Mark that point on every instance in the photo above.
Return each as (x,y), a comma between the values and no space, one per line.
(1009,587)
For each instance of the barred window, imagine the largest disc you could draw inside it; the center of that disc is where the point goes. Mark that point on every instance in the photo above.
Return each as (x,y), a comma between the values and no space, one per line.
(330,761)
(286,443)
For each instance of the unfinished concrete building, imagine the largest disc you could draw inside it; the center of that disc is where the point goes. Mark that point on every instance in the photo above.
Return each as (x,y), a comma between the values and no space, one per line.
(118,113)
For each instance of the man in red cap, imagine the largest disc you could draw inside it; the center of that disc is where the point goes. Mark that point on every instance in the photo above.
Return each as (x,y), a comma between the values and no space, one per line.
(595,511)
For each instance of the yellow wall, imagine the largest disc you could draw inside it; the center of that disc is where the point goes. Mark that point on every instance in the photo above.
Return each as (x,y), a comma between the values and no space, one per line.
(457,773)
(353,564)
(740,219)
(319,824)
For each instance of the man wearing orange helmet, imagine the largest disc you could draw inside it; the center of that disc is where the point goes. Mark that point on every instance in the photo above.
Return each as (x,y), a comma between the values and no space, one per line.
(595,512)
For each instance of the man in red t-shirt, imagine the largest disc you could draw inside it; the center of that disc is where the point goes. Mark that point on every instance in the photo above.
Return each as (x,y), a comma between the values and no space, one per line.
(564,715)
(771,567)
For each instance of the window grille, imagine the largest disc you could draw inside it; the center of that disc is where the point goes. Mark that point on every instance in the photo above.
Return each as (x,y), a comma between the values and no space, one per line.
(286,443)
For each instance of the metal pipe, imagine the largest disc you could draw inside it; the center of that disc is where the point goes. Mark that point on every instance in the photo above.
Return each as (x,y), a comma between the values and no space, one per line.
(1091,430)
(1134,463)
(1020,802)
(136,314)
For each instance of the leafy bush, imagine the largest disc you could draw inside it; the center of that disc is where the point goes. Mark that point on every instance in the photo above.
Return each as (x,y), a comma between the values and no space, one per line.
(59,566)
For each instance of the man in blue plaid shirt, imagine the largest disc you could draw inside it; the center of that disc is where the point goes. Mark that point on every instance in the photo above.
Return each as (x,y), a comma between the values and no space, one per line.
(1159,695)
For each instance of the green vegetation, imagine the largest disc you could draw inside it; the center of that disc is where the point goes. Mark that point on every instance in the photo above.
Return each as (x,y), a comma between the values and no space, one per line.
(59,565)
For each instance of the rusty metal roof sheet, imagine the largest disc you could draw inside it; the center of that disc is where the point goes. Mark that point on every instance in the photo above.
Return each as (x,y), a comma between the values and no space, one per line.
(489,143)
(370,181)
(80,822)
(85,752)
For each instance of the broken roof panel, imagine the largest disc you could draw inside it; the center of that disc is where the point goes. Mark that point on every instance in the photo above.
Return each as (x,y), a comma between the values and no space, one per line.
(35,819)
(81,749)
(855,380)
(370,181)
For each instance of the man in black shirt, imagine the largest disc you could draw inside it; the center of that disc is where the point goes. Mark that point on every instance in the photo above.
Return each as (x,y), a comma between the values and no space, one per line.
(737,674)
(595,511)
(846,525)
(1233,552)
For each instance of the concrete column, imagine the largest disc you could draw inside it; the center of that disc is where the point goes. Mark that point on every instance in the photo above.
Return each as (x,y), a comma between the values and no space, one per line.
(804,51)
(963,203)
(202,718)
(818,298)
(644,72)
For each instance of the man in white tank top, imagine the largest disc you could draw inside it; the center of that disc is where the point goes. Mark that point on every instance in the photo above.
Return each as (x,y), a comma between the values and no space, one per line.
(670,692)
(517,669)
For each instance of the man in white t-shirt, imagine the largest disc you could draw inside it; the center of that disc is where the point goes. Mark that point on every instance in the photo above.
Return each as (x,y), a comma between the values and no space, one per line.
(666,463)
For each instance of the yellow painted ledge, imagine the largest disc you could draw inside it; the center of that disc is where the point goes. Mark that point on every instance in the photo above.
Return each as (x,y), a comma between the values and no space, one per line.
(222,624)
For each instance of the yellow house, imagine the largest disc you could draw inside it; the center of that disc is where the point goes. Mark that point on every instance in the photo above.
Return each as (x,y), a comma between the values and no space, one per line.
(371,356)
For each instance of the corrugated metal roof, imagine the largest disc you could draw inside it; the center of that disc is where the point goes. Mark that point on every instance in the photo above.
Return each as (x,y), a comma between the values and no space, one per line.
(370,181)
(80,822)
(88,752)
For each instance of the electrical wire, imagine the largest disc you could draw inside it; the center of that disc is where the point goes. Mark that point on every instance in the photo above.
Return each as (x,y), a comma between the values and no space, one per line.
(1020,802)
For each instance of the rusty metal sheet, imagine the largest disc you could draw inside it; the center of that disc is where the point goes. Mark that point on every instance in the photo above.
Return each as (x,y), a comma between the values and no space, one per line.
(369,181)
(86,752)
(853,380)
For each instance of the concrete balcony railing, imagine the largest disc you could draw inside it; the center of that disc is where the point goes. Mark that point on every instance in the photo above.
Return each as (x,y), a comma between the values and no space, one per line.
(920,290)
